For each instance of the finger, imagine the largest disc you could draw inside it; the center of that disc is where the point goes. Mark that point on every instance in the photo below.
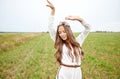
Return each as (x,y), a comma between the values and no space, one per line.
(47,5)
(68,17)
(49,2)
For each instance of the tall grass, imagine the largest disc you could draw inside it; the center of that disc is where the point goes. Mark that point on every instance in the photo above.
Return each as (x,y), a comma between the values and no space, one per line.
(34,59)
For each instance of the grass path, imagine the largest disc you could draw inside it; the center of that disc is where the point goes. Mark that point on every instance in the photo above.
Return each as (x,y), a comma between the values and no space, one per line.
(26,59)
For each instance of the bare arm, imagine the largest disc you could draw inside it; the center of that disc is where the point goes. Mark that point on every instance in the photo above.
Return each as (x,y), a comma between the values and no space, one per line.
(85,32)
(51,6)
(51,20)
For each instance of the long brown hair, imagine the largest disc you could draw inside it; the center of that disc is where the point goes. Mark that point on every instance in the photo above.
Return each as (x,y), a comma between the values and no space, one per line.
(70,41)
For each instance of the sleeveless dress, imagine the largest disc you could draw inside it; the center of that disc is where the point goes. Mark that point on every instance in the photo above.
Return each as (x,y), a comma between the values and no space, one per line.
(63,71)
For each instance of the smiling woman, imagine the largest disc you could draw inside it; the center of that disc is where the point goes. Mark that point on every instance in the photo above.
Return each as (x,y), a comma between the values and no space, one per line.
(69,53)
(63,29)
(62,33)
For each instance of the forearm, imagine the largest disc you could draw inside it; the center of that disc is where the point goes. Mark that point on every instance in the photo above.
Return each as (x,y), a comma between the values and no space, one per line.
(51,20)
(84,23)
(51,28)
(81,38)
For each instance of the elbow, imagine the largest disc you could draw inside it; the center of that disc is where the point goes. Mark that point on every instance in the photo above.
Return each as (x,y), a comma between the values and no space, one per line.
(88,28)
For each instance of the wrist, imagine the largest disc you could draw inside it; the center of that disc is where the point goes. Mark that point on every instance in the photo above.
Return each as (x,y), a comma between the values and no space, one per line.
(53,12)
(80,20)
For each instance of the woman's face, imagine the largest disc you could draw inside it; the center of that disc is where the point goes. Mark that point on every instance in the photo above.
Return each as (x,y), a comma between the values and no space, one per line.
(62,33)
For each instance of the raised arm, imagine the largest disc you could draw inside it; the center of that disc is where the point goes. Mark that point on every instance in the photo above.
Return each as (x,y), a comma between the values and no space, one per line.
(85,32)
(51,28)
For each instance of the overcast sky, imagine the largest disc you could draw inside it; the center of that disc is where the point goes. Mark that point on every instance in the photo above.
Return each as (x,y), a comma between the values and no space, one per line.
(32,15)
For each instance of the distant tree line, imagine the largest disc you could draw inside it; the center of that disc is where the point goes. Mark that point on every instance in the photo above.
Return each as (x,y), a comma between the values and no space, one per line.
(103,31)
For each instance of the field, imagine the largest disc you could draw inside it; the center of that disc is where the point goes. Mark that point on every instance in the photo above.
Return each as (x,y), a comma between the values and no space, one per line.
(33,57)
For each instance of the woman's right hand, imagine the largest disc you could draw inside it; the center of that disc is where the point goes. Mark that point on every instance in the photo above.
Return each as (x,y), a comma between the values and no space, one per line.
(74,18)
(51,7)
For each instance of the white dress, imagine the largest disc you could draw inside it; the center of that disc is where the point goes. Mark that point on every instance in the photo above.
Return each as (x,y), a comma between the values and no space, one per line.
(63,71)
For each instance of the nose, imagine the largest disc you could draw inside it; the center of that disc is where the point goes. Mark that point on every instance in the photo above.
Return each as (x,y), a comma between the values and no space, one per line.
(62,34)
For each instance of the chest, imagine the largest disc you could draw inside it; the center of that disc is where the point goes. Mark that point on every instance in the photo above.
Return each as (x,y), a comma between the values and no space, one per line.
(66,51)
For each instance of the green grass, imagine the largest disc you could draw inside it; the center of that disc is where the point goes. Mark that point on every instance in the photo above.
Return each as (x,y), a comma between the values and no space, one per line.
(34,59)
(102,56)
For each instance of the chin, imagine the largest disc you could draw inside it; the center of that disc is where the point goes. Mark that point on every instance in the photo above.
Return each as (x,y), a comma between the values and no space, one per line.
(64,39)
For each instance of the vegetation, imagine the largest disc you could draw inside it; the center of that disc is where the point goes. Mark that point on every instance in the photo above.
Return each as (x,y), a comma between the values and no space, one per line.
(9,41)
(34,59)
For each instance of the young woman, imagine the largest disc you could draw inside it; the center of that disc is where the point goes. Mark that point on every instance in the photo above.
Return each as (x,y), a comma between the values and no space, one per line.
(69,53)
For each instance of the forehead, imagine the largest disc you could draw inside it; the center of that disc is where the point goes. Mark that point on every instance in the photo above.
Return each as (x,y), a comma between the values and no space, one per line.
(61,28)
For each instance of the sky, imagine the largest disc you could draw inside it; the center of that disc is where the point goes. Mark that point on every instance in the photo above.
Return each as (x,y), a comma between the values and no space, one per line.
(32,15)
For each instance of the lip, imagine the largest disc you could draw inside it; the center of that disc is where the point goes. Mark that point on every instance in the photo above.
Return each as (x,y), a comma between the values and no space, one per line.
(64,38)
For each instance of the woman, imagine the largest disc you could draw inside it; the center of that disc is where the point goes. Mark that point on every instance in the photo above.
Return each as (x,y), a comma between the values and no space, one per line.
(69,53)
